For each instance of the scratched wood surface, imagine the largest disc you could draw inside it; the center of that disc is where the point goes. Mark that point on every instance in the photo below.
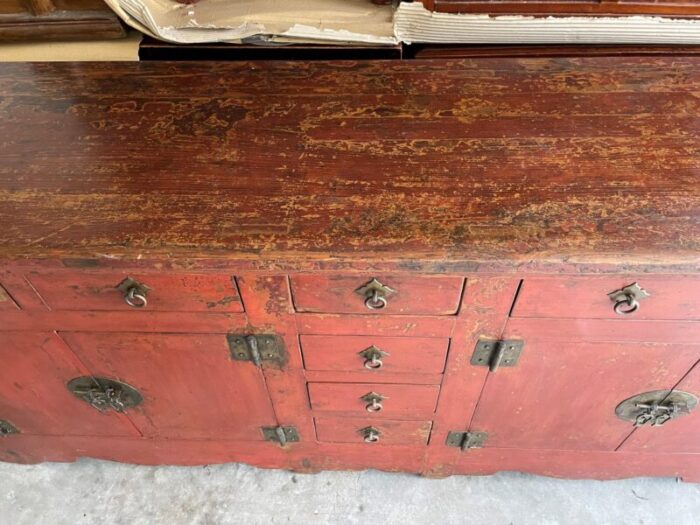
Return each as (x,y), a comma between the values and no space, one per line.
(493,159)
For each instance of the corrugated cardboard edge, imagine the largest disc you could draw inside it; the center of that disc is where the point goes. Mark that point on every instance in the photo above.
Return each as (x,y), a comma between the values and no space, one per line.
(117,50)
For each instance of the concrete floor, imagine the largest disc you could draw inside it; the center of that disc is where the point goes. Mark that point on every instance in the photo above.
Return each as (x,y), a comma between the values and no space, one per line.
(102,492)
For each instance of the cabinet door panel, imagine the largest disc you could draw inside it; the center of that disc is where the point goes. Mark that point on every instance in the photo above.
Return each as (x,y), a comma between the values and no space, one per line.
(191,387)
(680,435)
(563,394)
(34,370)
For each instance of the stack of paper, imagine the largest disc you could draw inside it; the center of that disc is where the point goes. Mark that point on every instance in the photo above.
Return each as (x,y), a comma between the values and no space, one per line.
(414,23)
(327,21)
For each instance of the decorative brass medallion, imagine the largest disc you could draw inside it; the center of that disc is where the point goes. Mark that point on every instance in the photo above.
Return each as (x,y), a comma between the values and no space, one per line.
(656,408)
(7,428)
(105,394)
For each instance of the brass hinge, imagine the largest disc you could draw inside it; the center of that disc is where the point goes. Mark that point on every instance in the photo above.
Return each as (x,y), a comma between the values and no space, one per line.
(494,353)
(257,348)
(281,435)
(7,428)
(466,440)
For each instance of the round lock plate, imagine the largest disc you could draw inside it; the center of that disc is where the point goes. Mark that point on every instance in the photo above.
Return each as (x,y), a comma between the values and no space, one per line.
(630,409)
(105,394)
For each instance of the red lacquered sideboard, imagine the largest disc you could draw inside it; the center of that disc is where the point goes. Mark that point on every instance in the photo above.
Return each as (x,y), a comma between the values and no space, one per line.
(444,267)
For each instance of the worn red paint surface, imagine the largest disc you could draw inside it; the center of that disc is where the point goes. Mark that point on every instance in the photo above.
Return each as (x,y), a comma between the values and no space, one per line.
(508,205)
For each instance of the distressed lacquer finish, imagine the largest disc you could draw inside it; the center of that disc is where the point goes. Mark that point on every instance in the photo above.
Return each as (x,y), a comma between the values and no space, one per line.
(497,198)
(485,159)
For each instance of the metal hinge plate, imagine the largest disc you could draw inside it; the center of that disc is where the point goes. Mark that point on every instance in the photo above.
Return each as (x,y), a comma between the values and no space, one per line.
(466,440)
(6,428)
(257,348)
(495,353)
(281,435)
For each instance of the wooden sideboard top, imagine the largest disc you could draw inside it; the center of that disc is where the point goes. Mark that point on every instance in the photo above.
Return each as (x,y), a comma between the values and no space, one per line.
(591,160)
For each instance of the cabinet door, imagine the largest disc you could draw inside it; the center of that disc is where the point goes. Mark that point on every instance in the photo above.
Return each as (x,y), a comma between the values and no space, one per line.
(191,388)
(681,434)
(562,394)
(34,370)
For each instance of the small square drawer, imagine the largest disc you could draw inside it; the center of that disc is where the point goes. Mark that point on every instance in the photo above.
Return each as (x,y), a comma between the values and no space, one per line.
(661,298)
(374,294)
(373,354)
(375,400)
(170,292)
(363,430)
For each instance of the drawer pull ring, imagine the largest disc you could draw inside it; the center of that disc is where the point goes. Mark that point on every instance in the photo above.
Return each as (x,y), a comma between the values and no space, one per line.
(370,434)
(374,402)
(134,292)
(627,299)
(631,302)
(374,364)
(375,301)
(135,299)
(373,357)
(375,294)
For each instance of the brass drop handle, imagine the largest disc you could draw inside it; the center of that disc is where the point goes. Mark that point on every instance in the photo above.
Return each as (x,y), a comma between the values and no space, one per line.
(627,299)
(374,402)
(134,292)
(375,294)
(373,358)
(370,434)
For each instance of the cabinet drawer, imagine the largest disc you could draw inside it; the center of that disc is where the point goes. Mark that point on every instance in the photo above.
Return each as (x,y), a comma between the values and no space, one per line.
(377,294)
(670,297)
(167,292)
(374,355)
(372,432)
(409,401)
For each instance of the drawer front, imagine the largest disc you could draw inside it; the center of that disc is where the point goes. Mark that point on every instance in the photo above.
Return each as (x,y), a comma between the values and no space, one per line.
(670,297)
(405,401)
(374,355)
(372,432)
(167,292)
(377,294)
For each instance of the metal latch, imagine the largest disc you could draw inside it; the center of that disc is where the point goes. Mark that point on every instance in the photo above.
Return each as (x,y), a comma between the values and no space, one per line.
(257,348)
(105,394)
(656,407)
(281,435)
(466,440)
(7,428)
(494,353)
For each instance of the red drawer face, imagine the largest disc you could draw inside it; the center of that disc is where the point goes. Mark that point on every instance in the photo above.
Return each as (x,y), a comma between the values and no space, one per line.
(670,297)
(404,401)
(371,432)
(167,292)
(374,355)
(377,294)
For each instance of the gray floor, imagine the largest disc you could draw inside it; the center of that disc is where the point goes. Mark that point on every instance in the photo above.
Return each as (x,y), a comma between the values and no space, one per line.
(102,492)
